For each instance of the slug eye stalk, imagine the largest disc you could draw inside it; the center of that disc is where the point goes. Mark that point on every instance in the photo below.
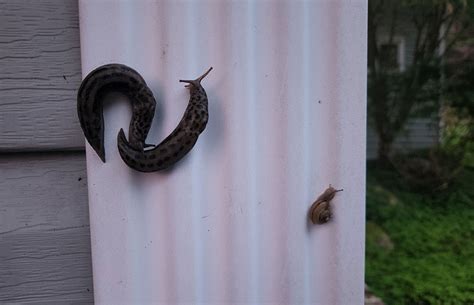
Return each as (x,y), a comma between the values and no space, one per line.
(196,82)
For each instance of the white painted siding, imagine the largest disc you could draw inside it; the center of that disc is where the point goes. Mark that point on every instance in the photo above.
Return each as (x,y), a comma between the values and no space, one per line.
(228,224)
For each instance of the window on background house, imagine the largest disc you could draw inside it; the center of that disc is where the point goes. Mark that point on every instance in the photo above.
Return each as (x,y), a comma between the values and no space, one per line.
(389,54)
(393,55)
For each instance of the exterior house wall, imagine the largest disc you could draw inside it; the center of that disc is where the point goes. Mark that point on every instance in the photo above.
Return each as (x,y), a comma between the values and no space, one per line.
(44,221)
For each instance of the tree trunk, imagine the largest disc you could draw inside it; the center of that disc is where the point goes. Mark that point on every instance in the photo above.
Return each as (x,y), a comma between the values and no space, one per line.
(384,150)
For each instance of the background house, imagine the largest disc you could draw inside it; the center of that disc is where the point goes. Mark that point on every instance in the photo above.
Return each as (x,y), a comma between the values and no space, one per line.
(419,132)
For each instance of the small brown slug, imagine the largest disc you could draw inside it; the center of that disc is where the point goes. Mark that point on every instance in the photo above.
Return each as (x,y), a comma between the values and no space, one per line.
(320,211)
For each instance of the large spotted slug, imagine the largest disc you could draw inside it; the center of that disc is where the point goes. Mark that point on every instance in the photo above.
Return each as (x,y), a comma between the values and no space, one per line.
(120,78)
(179,142)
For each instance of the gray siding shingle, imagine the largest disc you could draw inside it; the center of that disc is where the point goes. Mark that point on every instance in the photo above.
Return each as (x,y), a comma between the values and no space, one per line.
(39,76)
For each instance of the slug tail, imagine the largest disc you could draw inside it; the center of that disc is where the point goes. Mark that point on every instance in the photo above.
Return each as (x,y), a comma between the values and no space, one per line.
(92,124)
(99,149)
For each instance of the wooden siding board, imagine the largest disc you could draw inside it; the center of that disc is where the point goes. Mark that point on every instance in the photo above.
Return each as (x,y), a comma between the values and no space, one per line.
(40,74)
(44,229)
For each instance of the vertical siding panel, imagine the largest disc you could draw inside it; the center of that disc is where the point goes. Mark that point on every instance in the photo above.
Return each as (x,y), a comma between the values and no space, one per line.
(228,223)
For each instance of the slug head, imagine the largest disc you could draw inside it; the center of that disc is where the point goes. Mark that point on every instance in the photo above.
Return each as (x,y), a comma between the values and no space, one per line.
(195,84)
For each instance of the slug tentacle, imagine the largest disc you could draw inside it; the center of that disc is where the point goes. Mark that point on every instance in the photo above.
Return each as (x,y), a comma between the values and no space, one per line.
(176,145)
(196,82)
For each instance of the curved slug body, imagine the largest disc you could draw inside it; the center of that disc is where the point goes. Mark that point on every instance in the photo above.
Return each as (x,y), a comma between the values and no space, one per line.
(90,97)
(125,80)
(178,143)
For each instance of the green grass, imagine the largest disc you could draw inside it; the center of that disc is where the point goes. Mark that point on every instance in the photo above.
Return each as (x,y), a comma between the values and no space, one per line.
(420,247)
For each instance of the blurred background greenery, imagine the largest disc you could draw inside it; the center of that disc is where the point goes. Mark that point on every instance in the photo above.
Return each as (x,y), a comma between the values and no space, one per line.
(420,173)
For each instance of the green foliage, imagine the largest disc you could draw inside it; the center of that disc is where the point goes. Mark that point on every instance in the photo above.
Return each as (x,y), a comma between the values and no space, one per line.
(430,170)
(458,130)
(469,157)
(431,261)
(459,92)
